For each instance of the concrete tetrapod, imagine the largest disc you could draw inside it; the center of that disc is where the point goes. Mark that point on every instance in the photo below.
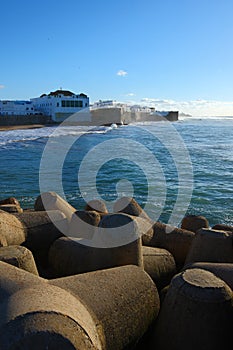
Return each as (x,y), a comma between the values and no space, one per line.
(159,264)
(130,206)
(52,201)
(196,313)
(96,205)
(83,223)
(10,200)
(11,208)
(72,256)
(116,242)
(12,231)
(211,246)
(36,315)
(69,257)
(119,229)
(108,309)
(177,241)
(20,257)
(194,223)
(42,229)
(124,302)
(223,271)
(222,227)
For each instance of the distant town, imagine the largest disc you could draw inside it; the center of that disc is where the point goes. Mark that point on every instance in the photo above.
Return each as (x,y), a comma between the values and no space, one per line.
(59,105)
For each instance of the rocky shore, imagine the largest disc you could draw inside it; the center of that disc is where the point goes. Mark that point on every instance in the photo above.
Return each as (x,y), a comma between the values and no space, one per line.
(90,279)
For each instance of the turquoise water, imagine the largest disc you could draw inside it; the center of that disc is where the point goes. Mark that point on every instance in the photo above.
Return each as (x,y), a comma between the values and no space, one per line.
(170,169)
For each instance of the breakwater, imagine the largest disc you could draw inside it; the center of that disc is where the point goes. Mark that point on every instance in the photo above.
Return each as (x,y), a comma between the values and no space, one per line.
(90,279)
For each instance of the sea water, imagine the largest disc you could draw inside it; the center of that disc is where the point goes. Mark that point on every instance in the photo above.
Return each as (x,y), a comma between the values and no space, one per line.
(171,169)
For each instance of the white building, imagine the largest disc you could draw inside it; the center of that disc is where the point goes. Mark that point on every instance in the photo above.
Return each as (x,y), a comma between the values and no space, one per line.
(105,103)
(60,104)
(17,108)
(139,108)
(108,104)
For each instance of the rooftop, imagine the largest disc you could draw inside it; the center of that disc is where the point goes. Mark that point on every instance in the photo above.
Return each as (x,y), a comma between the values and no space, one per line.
(64,93)
(59,92)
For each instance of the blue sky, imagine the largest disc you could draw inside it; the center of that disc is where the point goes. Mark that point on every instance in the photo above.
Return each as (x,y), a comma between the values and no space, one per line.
(167,53)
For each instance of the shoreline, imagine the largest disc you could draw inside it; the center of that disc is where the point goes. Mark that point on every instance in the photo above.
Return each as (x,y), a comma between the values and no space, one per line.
(22,127)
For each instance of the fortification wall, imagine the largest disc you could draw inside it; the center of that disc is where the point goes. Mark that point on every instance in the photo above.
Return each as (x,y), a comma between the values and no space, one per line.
(148,117)
(105,116)
(100,116)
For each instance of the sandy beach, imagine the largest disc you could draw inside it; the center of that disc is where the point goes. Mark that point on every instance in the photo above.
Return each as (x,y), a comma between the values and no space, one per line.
(20,127)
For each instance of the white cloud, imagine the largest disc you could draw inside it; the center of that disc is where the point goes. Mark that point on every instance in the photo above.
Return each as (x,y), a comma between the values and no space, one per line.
(156,101)
(122,73)
(130,94)
(197,107)
(2,86)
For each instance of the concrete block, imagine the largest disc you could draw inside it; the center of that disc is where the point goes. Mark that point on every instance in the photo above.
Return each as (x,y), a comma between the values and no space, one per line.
(42,229)
(222,227)
(159,264)
(30,331)
(196,313)
(14,279)
(115,242)
(12,231)
(73,256)
(107,309)
(177,241)
(124,302)
(10,200)
(83,223)
(3,241)
(11,208)
(52,201)
(194,223)
(70,257)
(36,315)
(130,206)
(119,229)
(20,257)
(223,271)
(211,246)
(163,293)
(96,205)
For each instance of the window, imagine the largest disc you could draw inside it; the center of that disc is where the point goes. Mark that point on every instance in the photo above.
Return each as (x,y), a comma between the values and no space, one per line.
(72,104)
(79,104)
(58,104)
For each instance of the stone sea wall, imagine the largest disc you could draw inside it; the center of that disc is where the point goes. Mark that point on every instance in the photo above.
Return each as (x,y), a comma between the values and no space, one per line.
(90,279)
(120,116)
(11,120)
(100,116)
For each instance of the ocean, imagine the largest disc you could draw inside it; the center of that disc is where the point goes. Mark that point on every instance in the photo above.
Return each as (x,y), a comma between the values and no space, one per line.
(171,169)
